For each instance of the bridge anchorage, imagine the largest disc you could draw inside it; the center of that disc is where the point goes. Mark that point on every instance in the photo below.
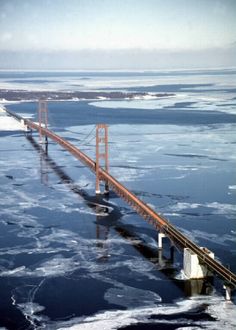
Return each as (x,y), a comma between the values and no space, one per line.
(198,261)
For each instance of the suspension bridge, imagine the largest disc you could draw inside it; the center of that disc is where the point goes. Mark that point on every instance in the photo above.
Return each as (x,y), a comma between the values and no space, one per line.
(205,259)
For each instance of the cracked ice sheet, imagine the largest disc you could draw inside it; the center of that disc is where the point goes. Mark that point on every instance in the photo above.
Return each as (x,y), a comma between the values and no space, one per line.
(167,138)
(83,255)
(23,172)
(137,298)
(229,210)
(141,306)
(223,313)
(201,149)
(198,143)
(195,235)
(198,101)
(16,202)
(85,258)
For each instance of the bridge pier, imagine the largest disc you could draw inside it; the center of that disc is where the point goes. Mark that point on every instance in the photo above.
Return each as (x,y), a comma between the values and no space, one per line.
(160,237)
(161,262)
(193,268)
(25,126)
(45,141)
(227,292)
(106,190)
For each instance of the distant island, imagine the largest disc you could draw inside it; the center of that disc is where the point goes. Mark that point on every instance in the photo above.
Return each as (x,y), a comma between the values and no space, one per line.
(26,95)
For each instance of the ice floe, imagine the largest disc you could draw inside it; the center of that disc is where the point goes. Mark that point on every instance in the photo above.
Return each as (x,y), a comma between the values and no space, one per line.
(213,207)
(131,297)
(138,102)
(220,314)
(197,235)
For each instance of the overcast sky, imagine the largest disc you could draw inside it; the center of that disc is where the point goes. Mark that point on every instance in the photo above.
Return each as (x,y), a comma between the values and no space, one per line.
(116,29)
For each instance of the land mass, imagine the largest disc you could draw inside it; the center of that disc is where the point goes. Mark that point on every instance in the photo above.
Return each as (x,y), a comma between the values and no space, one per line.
(19,94)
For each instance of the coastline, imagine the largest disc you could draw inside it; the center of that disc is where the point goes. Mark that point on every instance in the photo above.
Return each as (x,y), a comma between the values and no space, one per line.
(8,123)
(7,95)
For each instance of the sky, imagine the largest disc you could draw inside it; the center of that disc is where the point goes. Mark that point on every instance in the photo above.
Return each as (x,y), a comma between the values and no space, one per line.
(117,34)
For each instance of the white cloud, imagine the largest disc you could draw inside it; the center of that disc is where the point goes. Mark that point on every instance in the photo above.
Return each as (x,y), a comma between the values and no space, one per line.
(6,36)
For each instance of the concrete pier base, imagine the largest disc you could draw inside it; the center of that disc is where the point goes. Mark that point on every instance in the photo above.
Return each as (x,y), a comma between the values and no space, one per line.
(106,189)
(193,269)
(160,260)
(28,131)
(160,237)
(197,287)
(42,142)
(227,292)
(24,126)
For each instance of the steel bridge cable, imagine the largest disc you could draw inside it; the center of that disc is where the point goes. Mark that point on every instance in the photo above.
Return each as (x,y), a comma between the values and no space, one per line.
(126,170)
(118,151)
(83,141)
(88,142)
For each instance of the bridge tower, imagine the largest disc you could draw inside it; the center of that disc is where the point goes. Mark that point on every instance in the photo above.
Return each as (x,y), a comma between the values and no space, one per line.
(43,119)
(101,153)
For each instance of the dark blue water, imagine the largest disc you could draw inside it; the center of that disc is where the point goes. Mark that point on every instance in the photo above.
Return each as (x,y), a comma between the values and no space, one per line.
(82,113)
(69,257)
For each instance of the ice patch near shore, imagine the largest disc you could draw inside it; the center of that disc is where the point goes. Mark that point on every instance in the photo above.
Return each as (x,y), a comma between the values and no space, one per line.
(138,102)
(8,123)
(186,100)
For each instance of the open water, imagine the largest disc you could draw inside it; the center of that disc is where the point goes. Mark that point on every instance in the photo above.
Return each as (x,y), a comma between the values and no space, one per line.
(69,259)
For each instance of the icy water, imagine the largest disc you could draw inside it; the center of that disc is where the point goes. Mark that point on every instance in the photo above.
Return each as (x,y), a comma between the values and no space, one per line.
(69,259)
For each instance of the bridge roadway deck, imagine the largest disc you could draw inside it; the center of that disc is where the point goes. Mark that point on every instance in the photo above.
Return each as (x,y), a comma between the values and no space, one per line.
(158,221)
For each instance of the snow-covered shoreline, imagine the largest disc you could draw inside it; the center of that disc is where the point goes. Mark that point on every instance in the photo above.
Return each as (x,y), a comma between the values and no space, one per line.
(8,123)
